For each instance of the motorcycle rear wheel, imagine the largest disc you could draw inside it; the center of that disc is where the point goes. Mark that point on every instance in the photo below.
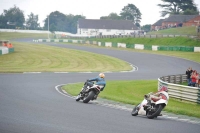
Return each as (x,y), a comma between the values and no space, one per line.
(151,115)
(135,111)
(89,97)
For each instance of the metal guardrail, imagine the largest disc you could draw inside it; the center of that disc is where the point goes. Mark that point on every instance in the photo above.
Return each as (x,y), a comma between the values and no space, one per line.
(142,36)
(181,92)
(176,79)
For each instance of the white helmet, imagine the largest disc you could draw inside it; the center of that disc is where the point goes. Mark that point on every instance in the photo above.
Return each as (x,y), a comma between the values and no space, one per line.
(101,75)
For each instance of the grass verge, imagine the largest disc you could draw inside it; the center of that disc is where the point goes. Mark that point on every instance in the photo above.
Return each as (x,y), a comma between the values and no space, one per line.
(37,57)
(193,56)
(188,30)
(132,92)
(14,35)
(174,41)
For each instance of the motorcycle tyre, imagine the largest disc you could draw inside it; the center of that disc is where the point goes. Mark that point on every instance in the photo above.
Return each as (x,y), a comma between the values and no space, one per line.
(89,97)
(151,116)
(134,111)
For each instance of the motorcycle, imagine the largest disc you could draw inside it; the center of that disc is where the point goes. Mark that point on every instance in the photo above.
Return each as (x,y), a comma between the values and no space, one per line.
(153,110)
(88,92)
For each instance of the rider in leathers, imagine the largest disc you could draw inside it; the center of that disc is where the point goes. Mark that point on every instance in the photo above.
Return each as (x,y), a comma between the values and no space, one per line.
(100,81)
(156,96)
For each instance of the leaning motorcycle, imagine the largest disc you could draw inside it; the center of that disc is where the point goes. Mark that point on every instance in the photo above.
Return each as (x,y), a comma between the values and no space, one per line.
(152,111)
(88,92)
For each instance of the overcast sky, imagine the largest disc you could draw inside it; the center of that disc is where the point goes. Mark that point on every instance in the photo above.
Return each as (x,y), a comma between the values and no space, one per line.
(92,9)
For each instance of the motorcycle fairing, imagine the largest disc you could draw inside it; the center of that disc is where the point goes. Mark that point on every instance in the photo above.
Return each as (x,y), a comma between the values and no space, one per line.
(141,110)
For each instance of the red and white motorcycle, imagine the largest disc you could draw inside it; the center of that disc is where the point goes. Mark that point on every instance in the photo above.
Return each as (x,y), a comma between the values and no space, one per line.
(153,109)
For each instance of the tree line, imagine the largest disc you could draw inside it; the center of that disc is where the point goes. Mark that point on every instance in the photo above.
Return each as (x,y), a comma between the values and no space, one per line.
(14,18)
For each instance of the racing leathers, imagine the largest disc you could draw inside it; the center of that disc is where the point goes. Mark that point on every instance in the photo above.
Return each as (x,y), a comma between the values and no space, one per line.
(99,81)
(155,97)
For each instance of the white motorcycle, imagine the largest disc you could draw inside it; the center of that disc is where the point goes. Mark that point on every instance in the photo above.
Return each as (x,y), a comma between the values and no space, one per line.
(153,110)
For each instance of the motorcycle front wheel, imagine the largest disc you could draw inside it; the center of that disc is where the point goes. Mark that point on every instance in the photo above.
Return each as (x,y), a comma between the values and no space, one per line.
(89,97)
(135,111)
(152,114)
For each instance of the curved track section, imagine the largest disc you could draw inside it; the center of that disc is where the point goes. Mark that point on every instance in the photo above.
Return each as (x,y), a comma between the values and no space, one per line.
(29,102)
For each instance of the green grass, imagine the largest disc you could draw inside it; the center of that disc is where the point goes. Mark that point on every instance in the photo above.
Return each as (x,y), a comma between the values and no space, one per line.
(173,41)
(194,56)
(184,83)
(164,41)
(132,92)
(14,35)
(189,30)
(37,57)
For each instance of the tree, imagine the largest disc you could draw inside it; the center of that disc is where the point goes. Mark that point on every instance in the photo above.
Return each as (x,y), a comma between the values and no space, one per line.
(177,7)
(56,21)
(1,21)
(112,16)
(60,22)
(190,12)
(12,18)
(32,22)
(73,22)
(131,12)
(146,27)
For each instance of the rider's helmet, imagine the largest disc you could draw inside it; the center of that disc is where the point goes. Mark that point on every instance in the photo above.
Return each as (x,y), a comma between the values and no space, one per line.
(164,88)
(101,75)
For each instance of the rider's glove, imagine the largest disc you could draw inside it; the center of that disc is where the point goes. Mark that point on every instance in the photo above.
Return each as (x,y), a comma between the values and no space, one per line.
(150,93)
(147,96)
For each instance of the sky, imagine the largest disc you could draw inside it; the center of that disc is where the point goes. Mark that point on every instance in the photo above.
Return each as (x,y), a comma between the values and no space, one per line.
(91,9)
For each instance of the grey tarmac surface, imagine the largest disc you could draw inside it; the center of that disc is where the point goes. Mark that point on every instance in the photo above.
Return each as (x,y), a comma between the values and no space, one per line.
(29,102)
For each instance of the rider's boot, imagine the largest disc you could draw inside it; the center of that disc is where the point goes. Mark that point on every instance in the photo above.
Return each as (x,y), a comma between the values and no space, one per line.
(148,105)
(95,97)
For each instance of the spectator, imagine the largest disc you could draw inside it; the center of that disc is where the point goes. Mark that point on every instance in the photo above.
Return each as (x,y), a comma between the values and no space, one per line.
(188,73)
(194,78)
(198,80)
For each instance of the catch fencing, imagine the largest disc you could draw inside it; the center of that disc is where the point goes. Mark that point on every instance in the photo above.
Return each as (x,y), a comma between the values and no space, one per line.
(181,92)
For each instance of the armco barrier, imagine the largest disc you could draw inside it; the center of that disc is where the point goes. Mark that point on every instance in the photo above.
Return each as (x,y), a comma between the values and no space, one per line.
(133,46)
(181,92)
(141,36)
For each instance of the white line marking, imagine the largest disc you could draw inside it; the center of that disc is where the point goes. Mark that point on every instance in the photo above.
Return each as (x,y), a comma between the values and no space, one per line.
(31,72)
(61,92)
(183,119)
(121,107)
(61,72)
(85,72)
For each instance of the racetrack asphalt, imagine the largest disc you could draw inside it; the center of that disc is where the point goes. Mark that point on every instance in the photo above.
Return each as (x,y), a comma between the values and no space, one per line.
(29,102)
